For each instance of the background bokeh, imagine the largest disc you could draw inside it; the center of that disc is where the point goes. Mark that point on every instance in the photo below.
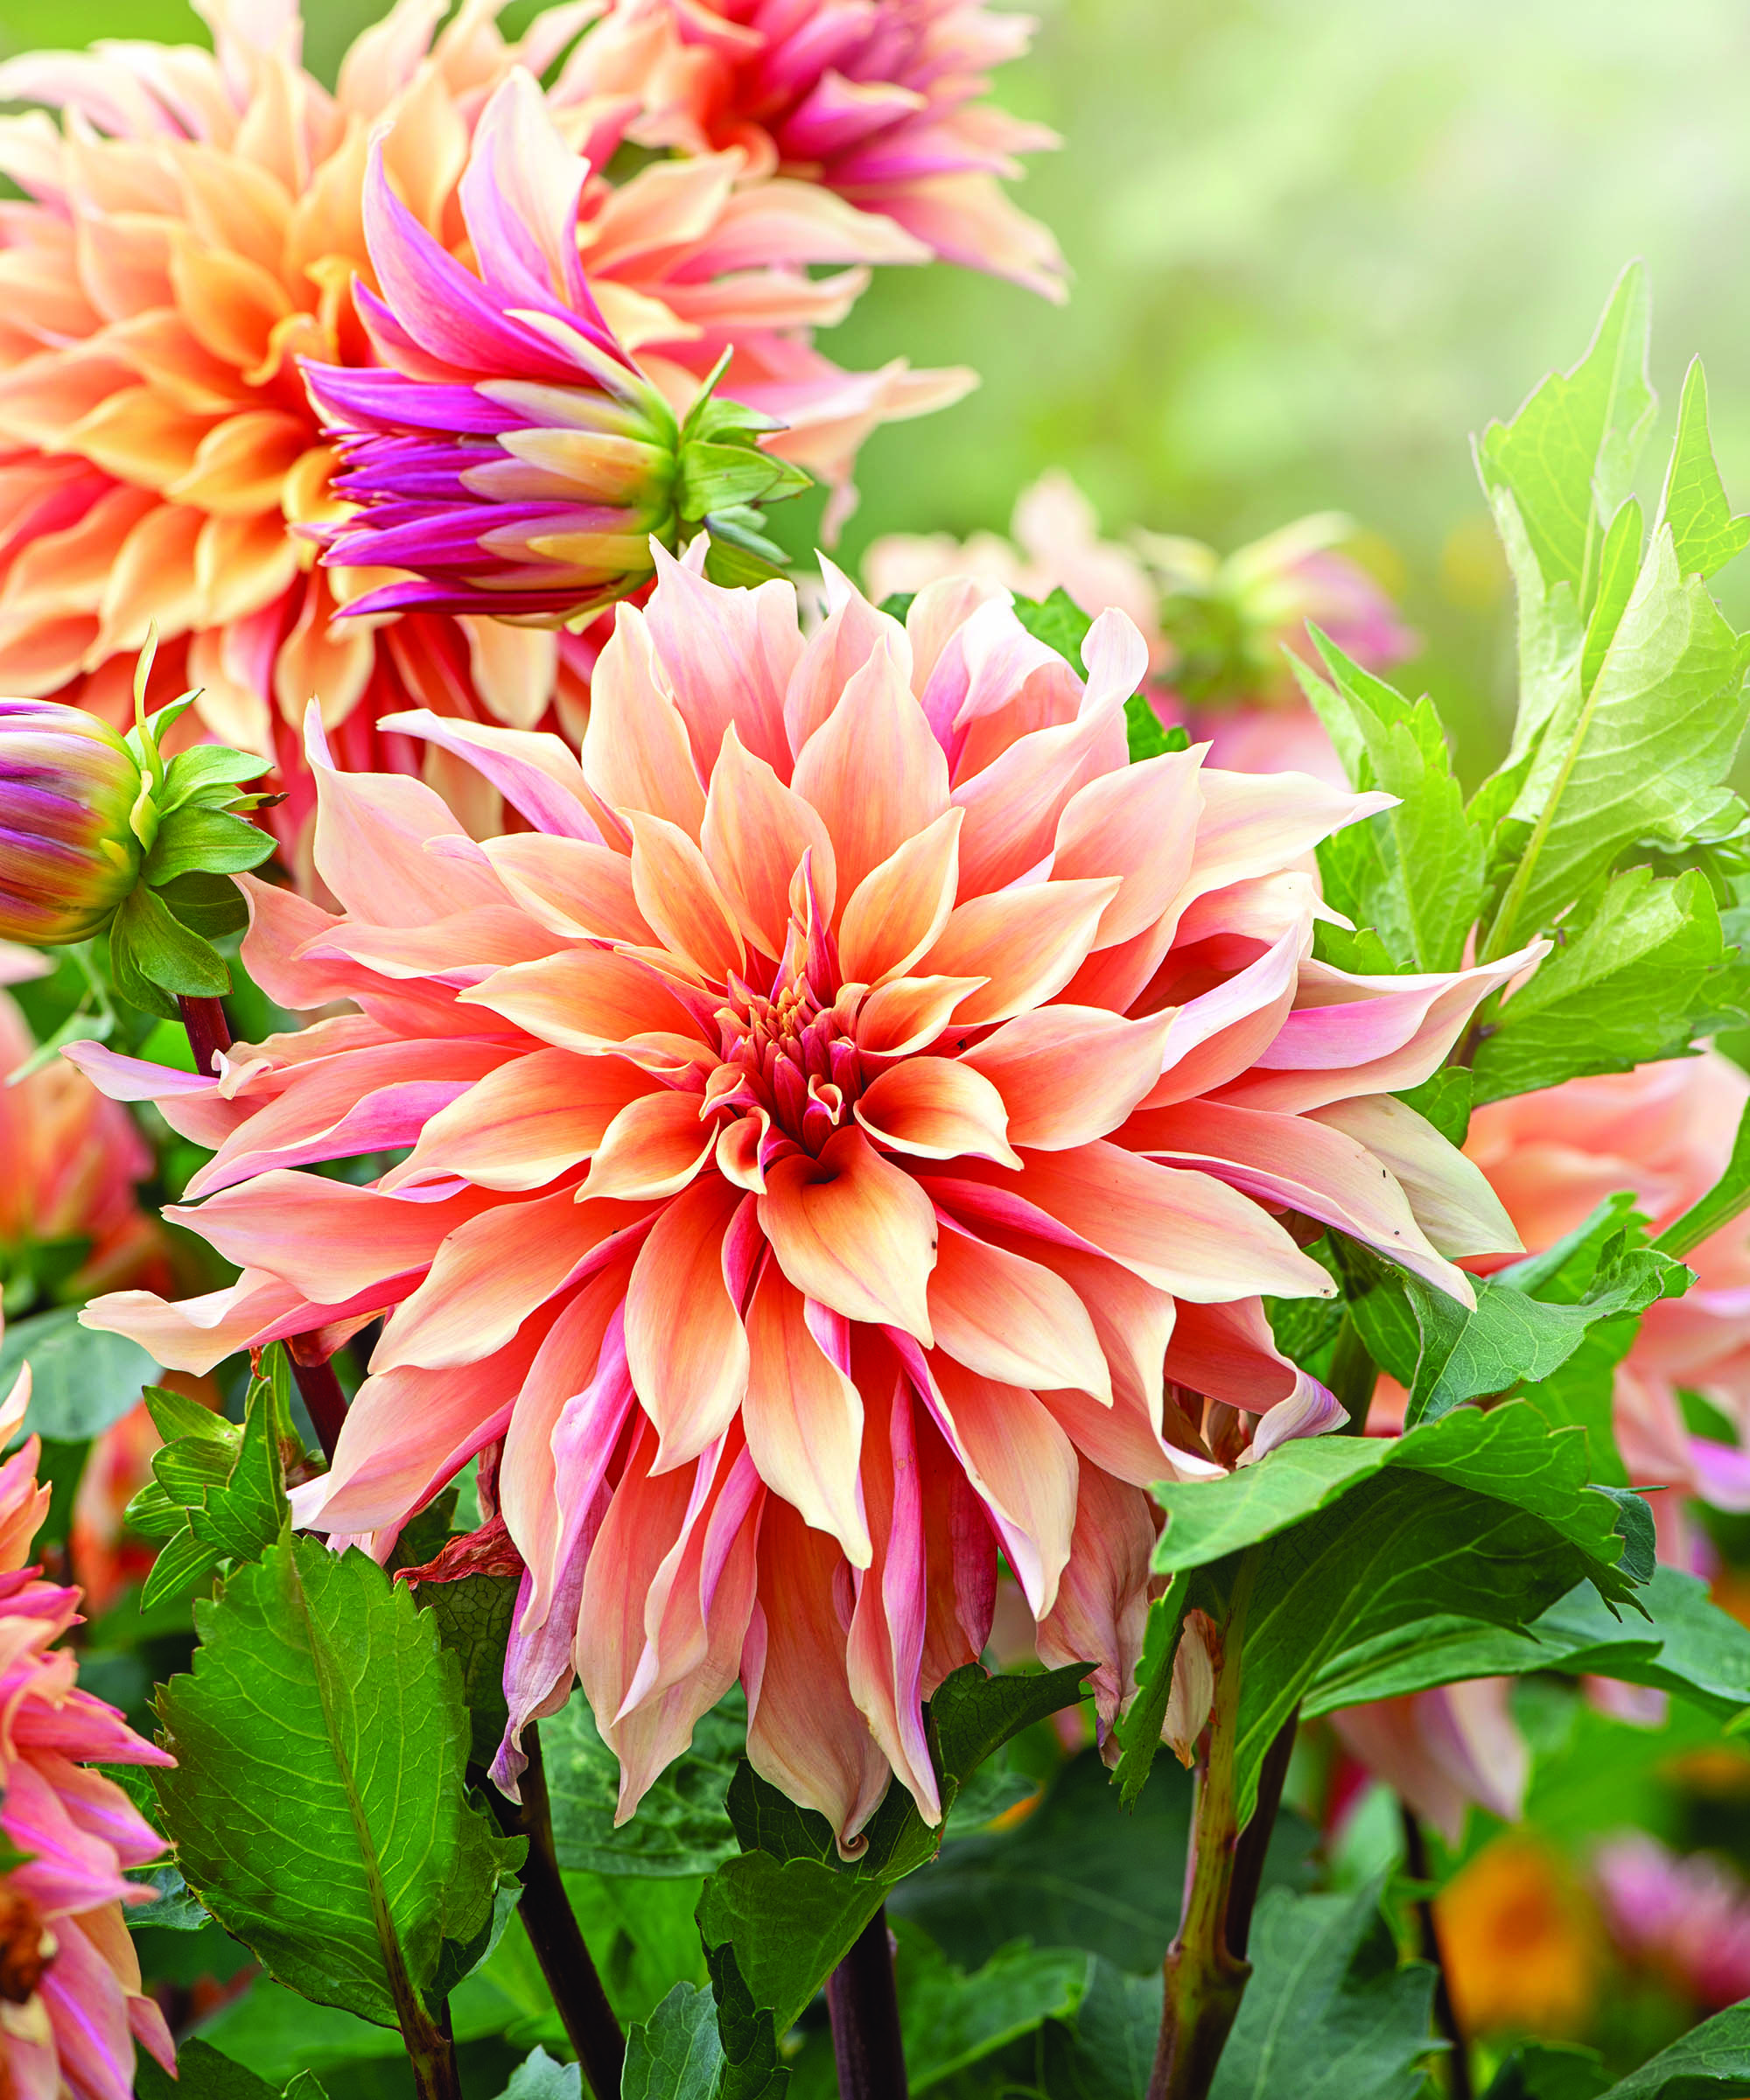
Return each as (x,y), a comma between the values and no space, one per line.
(1314,249)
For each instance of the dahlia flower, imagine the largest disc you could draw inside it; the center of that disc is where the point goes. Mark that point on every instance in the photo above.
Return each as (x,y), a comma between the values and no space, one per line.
(71,2006)
(880,100)
(1665,1132)
(845,1137)
(1217,626)
(511,455)
(195,227)
(1444,1749)
(1685,1918)
(69,853)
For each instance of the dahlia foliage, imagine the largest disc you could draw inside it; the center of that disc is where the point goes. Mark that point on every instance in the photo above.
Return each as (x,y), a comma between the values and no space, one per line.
(800,1228)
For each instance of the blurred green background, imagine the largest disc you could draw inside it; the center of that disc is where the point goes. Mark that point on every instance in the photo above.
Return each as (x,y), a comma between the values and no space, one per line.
(1315,247)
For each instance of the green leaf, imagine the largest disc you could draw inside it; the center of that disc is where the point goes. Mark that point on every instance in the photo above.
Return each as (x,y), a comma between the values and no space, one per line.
(1414,872)
(81,1379)
(473,1615)
(1147,735)
(1057,621)
(161,950)
(1712,2058)
(748,2035)
(316,1804)
(540,2077)
(1116,2027)
(1545,2070)
(202,2073)
(172,1909)
(1618,565)
(1728,1197)
(1445,1100)
(1692,1650)
(1475,1516)
(1638,970)
(950,2019)
(1639,753)
(211,906)
(1140,1725)
(1568,457)
(676,2054)
(205,772)
(681,1828)
(196,840)
(1329,2014)
(1704,532)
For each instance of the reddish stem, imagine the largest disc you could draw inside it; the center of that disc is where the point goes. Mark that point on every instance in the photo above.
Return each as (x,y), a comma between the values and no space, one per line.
(321,1391)
(208,1031)
(865,2006)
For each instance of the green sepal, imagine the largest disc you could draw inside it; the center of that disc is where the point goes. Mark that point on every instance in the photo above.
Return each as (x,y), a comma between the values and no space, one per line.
(198,840)
(157,949)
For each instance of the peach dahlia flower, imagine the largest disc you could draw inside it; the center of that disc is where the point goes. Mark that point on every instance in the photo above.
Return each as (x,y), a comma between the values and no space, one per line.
(71,2006)
(1665,1132)
(194,227)
(848,1135)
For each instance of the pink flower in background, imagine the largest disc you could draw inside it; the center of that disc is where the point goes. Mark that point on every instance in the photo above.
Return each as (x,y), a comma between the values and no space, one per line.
(511,455)
(195,229)
(1687,1919)
(1217,626)
(1441,1750)
(1056,543)
(881,102)
(1665,1132)
(849,1131)
(71,2006)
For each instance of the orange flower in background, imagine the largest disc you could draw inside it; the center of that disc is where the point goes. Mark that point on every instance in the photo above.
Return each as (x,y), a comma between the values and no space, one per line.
(845,1138)
(72,2009)
(1520,1942)
(194,228)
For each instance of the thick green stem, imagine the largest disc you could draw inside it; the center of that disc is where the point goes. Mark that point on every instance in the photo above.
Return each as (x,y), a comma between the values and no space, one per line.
(432,2054)
(1205,1969)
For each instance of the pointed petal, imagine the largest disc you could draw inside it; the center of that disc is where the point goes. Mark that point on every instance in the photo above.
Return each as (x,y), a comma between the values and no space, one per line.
(852,1230)
(901,906)
(937,1108)
(684,1339)
(1012,1320)
(1069,1075)
(1026,942)
(803,1417)
(756,834)
(636,751)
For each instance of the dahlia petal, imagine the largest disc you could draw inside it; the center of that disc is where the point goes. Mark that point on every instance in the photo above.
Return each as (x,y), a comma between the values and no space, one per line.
(755,834)
(1021,1463)
(729,655)
(197,1333)
(681,900)
(456,951)
(1141,824)
(844,642)
(492,1271)
(1101,1610)
(684,1338)
(1010,1320)
(803,1417)
(901,906)
(637,754)
(1254,822)
(885,1644)
(1444,1749)
(804,1731)
(519,196)
(1069,1075)
(655,1146)
(1027,943)
(1229,1353)
(1218,1035)
(873,769)
(535,773)
(1309,1410)
(587,999)
(716,1540)
(851,1230)
(910,1013)
(192,1104)
(1122,1441)
(88,2009)
(1449,1194)
(937,1108)
(1297,1164)
(523,1124)
(1182,1231)
(573,888)
(1014,804)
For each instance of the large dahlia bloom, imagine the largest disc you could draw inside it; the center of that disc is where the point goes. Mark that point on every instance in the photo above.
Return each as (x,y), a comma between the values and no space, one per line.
(71,2006)
(846,1138)
(1665,1132)
(880,100)
(194,228)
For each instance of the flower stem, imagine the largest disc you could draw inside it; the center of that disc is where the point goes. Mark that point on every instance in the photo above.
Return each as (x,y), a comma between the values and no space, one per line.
(432,2055)
(1416,1865)
(553,1931)
(1205,1969)
(865,2006)
(208,1031)
(321,1391)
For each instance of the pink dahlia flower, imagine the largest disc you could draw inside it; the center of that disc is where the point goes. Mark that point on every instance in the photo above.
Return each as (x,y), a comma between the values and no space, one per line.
(1687,1919)
(71,2006)
(510,453)
(195,227)
(1665,1132)
(879,101)
(846,1136)
(1441,1750)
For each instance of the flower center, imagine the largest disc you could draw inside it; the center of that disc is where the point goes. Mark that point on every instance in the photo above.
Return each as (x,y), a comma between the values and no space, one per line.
(786,1053)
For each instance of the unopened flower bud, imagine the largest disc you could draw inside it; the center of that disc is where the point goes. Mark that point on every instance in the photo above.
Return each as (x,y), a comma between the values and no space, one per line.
(69,849)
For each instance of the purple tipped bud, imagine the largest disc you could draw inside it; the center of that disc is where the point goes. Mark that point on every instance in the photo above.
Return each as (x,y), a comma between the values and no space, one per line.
(69,787)
(510,457)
